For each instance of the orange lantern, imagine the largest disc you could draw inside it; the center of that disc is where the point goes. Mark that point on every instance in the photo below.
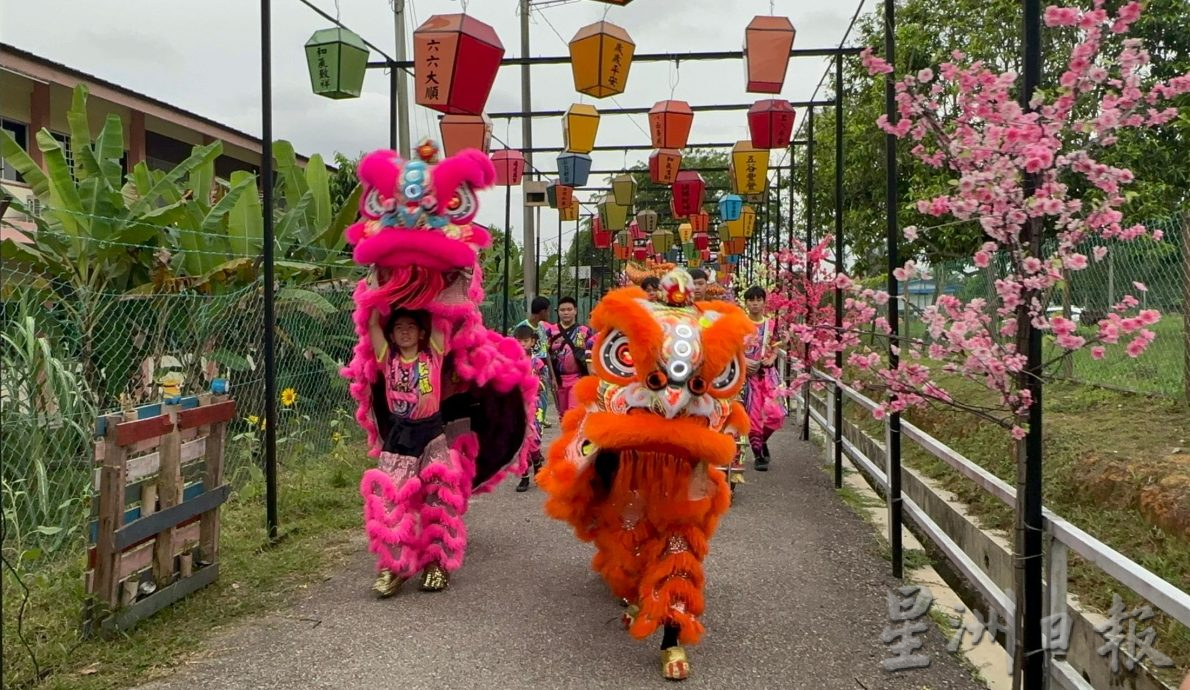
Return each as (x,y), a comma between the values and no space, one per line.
(770,123)
(621,247)
(465,132)
(700,221)
(749,169)
(569,212)
(664,165)
(669,123)
(688,191)
(455,60)
(767,42)
(559,195)
(579,128)
(600,56)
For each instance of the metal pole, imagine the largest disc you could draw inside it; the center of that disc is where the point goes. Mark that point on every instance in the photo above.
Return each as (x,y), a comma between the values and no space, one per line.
(577,291)
(559,295)
(838,266)
(890,200)
(792,155)
(530,244)
(809,242)
(392,109)
(270,356)
(507,242)
(402,79)
(1030,647)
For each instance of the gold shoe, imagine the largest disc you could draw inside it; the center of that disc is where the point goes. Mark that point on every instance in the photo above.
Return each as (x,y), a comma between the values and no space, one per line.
(674,664)
(387,584)
(434,579)
(629,616)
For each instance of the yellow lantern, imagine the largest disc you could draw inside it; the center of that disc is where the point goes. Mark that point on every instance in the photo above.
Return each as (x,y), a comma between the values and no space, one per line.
(748,216)
(613,216)
(624,189)
(742,227)
(685,231)
(600,56)
(749,169)
(663,240)
(579,127)
(569,212)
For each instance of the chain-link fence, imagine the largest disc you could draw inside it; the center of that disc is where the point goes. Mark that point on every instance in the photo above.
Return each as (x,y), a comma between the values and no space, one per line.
(1156,273)
(70,355)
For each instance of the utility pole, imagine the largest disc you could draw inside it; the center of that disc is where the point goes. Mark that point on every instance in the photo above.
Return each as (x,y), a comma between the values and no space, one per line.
(529,244)
(402,80)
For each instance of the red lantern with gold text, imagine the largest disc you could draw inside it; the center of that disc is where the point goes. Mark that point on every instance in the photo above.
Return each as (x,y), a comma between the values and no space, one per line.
(465,132)
(669,124)
(767,42)
(664,165)
(770,123)
(701,240)
(455,60)
(602,239)
(688,192)
(510,167)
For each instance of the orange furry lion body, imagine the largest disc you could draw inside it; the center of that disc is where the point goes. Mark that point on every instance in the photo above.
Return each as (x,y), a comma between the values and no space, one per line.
(640,479)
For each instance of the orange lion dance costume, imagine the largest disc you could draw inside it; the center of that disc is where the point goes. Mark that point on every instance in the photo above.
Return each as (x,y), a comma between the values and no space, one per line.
(636,469)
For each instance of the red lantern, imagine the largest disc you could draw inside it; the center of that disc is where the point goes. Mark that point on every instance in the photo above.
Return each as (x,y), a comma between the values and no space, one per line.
(664,165)
(669,123)
(688,191)
(700,222)
(640,252)
(701,241)
(635,231)
(455,60)
(510,167)
(767,42)
(602,239)
(465,132)
(771,124)
(706,255)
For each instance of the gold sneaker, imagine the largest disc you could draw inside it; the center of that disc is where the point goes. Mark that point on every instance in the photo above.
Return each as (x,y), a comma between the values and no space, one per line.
(674,664)
(387,584)
(434,579)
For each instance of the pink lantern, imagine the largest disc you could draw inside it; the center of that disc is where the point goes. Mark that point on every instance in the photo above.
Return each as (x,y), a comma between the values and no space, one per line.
(767,42)
(510,167)
(688,191)
(635,231)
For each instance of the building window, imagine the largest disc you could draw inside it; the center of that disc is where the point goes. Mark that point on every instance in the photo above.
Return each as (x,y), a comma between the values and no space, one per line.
(20,132)
(64,140)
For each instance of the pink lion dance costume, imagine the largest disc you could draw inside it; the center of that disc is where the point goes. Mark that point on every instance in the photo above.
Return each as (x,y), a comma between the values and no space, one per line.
(415,229)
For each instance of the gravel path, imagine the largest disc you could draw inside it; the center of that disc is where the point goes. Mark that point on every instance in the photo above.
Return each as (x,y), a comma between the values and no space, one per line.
(796,598)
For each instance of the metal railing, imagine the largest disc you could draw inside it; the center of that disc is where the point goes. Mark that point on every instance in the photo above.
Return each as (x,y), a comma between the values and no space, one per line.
(1063,536)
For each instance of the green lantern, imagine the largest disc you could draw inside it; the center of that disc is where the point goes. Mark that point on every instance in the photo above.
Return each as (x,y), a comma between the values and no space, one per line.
(662,240)
(624,189)
(613,216)
(337,60)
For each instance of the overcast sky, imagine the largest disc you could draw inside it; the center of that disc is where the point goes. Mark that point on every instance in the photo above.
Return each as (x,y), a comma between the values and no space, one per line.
(205,57)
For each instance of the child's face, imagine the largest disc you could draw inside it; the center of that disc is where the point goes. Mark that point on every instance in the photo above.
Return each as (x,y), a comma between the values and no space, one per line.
(756,305)
(406,333)
(527,344)
(653,292)
(700,288)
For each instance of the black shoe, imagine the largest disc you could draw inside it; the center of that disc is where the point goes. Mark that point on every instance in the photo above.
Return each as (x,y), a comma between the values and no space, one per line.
(523,486)
(764,450)
(762,463)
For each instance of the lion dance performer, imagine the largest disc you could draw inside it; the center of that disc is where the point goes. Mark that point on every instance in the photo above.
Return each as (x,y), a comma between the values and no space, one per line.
(445,401)
(637,469)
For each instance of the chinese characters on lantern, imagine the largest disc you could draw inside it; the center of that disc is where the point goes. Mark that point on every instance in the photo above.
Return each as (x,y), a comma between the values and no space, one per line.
(324,72)
(617,64)
(431,84)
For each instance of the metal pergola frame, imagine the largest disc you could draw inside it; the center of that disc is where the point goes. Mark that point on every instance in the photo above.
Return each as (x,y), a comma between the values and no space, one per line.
(1030,504)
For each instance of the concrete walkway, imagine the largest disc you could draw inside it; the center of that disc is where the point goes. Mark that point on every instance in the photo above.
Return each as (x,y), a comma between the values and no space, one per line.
(796,598)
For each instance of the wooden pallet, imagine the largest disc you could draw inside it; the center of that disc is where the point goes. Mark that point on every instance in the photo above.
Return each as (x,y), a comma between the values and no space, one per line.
(155,528)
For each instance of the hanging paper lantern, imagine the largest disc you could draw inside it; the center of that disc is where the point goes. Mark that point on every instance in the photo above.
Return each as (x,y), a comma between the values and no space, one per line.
(662,241)
(706,254)
(569,212)
(579,127)
(465,132)
(337,60)
(600,57)
(647,221)
(664,165)
(600,237)
(685,231)
(669,124)
(621,247)
(730,207)
(574,169)
(738,245)
(618,3)
(559,195)
(770,123)
(455,60)
(749,168)
(688,190)
(510,167)
(688,249)
(748,218)
(640,252)
(767,42)
(612,215)
(701,241)
(700,221)
(624,189)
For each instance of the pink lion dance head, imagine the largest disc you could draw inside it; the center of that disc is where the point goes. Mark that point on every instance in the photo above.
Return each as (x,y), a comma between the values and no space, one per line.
(419,212)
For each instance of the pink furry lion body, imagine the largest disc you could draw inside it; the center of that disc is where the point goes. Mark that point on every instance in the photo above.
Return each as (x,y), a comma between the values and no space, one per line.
(415,226)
